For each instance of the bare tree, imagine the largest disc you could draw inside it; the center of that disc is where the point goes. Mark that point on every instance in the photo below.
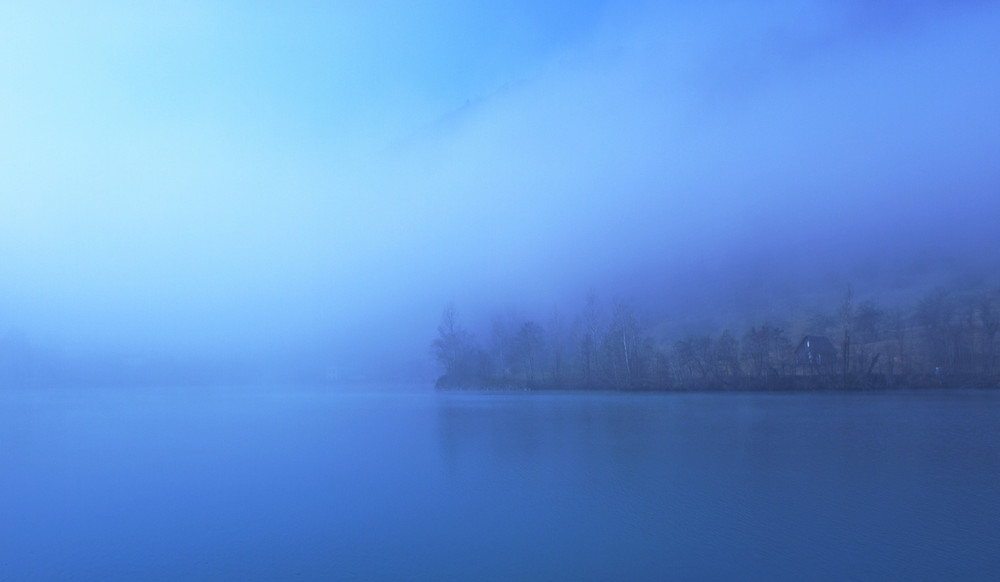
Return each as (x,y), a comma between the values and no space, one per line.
(695,357)
(727,355)
(896,327)
(847,319)
(590,338)
(502,331)
(455,350)
(625,346)
(935,314)
(989,319)
(869,322)
(765,350)
(528,344)
(557,347)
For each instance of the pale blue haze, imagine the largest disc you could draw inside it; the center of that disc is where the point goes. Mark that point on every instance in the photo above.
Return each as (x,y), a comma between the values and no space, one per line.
(307,183)
(280,197)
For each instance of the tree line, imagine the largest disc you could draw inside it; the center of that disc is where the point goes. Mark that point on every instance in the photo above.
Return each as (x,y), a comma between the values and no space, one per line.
(947,338)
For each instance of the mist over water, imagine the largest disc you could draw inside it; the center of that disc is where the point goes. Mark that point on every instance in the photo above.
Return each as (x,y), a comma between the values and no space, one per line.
(230,233)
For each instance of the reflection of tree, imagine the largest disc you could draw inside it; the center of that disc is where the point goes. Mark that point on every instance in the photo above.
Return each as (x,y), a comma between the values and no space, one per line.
(519,434)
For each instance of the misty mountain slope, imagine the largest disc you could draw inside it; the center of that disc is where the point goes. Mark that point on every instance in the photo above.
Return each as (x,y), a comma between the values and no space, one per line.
(308,186)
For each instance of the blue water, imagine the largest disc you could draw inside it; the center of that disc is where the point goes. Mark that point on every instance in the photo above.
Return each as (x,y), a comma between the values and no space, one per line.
(308,484)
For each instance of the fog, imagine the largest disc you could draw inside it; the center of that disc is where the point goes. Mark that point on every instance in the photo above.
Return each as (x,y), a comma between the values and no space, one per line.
(216,190)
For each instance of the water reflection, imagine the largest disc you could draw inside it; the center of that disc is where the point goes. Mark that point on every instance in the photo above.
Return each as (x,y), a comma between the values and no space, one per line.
(218,484)
(890,486)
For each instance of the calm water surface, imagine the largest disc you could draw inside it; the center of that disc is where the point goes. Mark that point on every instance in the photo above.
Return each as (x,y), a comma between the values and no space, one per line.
(387,484)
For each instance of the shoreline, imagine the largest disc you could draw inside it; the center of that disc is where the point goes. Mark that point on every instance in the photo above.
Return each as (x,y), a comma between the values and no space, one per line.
(788,385)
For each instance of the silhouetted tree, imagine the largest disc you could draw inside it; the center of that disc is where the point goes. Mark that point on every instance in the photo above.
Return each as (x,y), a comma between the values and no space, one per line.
(626,348)
(528,344)
(949,337)
(463,363)
(935,314)
(727,355)
(869,322)
(503,329)
(989,319)
(557,348)
(765,350)
(590,332)
(847,320)
(695,357)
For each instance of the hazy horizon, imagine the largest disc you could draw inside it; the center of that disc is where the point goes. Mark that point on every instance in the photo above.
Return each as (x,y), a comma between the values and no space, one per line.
(303,186)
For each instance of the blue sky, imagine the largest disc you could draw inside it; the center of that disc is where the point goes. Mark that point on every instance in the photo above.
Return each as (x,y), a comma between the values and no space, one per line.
(216,177)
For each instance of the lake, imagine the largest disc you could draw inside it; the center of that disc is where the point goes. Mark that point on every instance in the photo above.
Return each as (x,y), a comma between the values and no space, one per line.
(402,483)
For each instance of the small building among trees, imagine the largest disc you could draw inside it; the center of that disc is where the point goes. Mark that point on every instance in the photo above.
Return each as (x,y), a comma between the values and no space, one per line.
(816,353)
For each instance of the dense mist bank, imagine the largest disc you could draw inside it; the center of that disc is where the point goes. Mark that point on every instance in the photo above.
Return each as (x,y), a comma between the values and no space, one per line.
(247,194)
(27,362)
(946,338)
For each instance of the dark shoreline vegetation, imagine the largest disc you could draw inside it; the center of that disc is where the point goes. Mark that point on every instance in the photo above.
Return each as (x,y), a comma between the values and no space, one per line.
(946,340)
